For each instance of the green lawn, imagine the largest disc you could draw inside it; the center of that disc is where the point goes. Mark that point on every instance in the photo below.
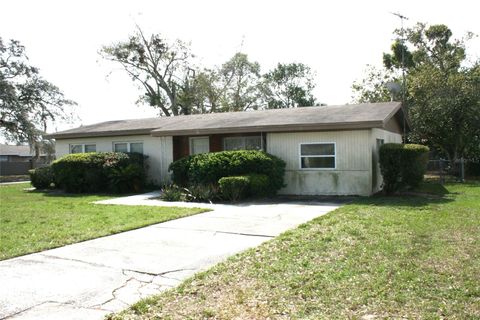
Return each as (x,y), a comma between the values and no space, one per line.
(405,257)
(35,221)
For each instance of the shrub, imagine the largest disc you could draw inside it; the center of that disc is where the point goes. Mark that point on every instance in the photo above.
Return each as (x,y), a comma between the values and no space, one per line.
(41,178)
(258,185)
(126,179)
(208,168)
(234,188)
(172,193)
(94,172)
(414,164)
(180,170)
(402,165)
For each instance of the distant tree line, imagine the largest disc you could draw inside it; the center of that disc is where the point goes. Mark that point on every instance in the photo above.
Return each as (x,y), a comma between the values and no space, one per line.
(171,81)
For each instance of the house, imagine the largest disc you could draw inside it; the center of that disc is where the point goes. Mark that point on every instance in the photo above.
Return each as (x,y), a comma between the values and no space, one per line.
(329,150)
(17,160)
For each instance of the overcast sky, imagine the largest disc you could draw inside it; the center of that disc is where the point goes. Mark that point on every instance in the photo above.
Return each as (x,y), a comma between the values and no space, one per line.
(337,39)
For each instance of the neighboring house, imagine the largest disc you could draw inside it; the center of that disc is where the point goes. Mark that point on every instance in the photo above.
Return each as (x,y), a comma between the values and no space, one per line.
(329,150)
(17,160)
(10,153)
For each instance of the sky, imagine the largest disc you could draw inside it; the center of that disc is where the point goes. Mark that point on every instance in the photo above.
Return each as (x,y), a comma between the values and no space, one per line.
(337,39)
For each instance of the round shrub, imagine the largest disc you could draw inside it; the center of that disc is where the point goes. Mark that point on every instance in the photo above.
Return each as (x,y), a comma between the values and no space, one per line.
(234,188)
(208,168)
(99,172)
(41,178)
(402,165)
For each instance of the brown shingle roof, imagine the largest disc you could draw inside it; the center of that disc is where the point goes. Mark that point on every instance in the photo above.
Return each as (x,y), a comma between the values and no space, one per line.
(355,116)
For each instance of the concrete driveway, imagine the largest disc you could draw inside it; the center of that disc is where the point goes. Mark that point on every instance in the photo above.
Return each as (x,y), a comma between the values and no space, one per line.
(90,279)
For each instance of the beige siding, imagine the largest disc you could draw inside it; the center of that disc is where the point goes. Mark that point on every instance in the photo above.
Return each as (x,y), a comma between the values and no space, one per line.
(388,137)
(352,175)
(158,149)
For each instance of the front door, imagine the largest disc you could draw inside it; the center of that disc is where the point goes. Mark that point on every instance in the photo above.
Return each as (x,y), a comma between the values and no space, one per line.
(199,145)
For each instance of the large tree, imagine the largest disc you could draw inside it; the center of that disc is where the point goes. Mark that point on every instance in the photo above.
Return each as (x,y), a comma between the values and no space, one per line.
(28,103)
(163,69)
(442,88)
(288,86)
(240,84)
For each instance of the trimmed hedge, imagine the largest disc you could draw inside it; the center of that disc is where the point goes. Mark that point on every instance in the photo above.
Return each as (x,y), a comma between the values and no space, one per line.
(180,170)
(208,168)
(234,188)
(100,172)
(402,165)
(258,185)
(41,178)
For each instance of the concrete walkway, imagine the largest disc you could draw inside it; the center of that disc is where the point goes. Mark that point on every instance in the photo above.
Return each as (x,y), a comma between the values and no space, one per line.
(90,279)
(13,182)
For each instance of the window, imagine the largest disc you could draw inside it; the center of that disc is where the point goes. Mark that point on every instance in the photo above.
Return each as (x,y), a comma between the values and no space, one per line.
(90,148)
(82,148)
(317,156)
(136,147)
(242,143)
(121,147)
(380,143)
(3,158)
(199,145)
(128,147)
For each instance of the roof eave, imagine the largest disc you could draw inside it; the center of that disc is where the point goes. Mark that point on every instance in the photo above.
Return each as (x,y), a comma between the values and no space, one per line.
(270,128)
(115,133)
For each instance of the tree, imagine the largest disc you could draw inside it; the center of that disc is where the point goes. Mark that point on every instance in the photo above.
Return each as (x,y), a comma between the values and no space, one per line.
(445,109)
(163,69)
(442,92)
(27,101)
(289,86)
(373,88)
(240,84)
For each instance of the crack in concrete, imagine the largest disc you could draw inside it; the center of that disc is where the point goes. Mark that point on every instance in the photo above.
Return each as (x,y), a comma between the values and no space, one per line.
(143,283)
(225,232)
(246,234)
(94,264)
(114,295)
(71,303)
(159,273)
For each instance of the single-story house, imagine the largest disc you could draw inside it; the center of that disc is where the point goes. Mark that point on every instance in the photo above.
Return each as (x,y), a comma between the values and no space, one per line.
(13,153)
(329,150)
(17,160)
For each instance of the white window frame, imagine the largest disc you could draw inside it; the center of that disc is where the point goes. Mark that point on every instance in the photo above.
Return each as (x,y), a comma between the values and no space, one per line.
(190,143)
(83,146)
(128,145)
(244,141)
(317,156)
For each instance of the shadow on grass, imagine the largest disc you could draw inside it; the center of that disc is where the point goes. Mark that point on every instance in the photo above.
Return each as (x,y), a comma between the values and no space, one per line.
(412,201)
(63,194)
(431,188)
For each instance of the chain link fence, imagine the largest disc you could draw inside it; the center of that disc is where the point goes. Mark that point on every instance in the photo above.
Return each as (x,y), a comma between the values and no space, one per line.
(459,170)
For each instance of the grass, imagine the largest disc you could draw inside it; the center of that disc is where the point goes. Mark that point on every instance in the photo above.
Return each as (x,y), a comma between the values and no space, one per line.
(413,257)
(35,221)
